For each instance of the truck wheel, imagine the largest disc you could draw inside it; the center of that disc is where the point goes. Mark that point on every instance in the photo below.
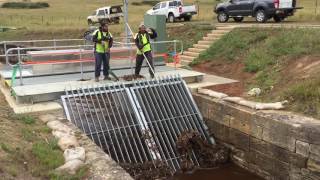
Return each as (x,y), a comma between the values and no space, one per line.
(187,18)
(171,18)
(261,16)
(238,19)
(90,22)
(116,20)
(222,17)
(277,19)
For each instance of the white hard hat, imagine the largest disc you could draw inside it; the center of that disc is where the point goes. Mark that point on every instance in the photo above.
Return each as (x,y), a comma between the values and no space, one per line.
(141,25)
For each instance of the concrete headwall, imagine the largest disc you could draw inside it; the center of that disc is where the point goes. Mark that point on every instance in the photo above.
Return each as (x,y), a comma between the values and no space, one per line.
(272,144)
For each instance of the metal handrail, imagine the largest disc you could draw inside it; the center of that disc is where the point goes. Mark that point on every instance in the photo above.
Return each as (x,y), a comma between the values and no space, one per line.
(80,47)
(54,41)
(42,40)
(77,46)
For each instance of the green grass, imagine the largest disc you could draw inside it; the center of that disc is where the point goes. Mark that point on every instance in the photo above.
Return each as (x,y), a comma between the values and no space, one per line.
(267,53)
(26,119)
(305,97)
(48,154)
(80,174)
(233,45)
(192,33)
(28,134)
(5,148)
(27,148)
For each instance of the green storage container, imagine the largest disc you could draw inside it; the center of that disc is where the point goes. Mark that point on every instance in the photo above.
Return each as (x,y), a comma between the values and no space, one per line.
(158,22)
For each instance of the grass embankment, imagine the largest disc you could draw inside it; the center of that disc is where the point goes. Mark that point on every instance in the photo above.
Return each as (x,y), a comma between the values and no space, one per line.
(283,62)
(189,33)
(27,148)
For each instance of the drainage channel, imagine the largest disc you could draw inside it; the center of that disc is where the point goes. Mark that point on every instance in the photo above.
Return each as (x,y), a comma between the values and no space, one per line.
(138,122)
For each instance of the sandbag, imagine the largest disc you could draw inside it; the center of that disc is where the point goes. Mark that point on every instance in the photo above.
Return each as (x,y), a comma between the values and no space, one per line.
(67,142)
(74,153)
(71,167)
(233,99)
(271,106)
(59,126)
(249,104)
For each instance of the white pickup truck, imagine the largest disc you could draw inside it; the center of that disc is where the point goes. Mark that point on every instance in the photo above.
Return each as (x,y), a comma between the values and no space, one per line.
(173,10)
(106,14)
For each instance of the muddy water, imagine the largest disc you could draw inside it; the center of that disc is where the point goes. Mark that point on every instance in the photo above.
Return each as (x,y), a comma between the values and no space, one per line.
(226,172)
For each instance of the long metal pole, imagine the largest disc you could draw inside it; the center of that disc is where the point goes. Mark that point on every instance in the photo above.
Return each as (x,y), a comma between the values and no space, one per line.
(81,65)
(125,5)
(20,66)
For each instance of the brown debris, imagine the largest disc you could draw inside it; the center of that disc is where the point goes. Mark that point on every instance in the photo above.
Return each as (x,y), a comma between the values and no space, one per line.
(208,155)
(148,170)
(132,77)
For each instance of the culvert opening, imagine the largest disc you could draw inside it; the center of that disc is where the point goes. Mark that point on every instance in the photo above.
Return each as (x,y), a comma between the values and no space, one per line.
(152,128)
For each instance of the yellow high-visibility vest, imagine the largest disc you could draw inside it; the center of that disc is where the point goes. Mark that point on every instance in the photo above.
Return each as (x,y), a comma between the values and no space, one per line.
(145,42)
(102,47)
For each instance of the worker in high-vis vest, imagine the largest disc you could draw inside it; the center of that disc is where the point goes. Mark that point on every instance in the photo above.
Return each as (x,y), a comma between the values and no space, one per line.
(103,41)
(142,41)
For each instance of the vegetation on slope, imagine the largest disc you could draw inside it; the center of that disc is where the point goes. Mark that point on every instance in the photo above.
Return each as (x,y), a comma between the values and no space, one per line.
(27,148)
(283,62)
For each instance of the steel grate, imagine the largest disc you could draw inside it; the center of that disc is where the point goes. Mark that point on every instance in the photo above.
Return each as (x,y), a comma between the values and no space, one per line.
(137,122)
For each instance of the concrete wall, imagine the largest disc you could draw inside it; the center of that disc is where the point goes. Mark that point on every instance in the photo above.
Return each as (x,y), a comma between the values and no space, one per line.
(272,144)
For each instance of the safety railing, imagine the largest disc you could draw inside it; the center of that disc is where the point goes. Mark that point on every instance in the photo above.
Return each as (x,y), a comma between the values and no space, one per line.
(48,42)
(21,58)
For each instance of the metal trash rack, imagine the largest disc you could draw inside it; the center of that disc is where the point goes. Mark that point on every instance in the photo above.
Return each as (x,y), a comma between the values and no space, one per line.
(139,121)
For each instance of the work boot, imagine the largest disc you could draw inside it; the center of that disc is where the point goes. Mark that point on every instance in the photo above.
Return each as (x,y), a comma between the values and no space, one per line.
(107,78)
(97,79)
(152,76)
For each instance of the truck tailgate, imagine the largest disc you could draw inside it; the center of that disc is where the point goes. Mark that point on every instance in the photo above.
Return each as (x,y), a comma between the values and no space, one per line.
(285,4)
(186,9)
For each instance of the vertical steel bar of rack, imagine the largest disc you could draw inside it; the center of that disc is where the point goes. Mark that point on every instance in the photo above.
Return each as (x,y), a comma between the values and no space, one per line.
(163,142)
(181,123)
(123,120)
(98,118)
(150,141)
(81,92)
(131,119)
(109,120)
(167,115)
(109,100)
(188,107)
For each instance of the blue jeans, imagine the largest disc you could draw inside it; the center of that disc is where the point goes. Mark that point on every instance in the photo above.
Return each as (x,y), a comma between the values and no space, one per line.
(102,59)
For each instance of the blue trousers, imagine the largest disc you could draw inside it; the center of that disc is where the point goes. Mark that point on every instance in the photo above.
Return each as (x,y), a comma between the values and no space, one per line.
(102,59)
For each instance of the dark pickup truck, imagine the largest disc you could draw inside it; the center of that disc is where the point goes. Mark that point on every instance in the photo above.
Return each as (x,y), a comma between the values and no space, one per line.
(262,10)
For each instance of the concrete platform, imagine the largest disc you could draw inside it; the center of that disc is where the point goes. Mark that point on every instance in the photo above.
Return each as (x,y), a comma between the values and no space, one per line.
(28,108)
(49,88)
(42,93)
(210,80)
